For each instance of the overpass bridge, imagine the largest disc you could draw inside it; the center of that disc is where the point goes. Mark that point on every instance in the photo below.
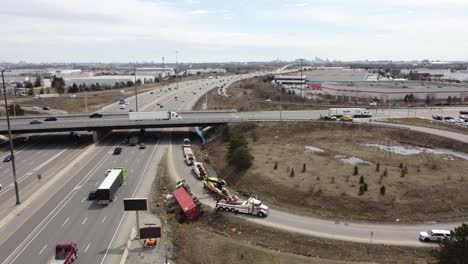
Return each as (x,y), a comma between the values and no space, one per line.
(112,121)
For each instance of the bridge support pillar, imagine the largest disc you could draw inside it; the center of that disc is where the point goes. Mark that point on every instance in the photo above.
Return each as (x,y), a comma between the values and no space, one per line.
(100,134)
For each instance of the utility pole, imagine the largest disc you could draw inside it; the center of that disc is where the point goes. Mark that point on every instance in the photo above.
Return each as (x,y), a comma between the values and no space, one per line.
(136,91)
(10,139)
(177,80)
(302,87)
(85,100)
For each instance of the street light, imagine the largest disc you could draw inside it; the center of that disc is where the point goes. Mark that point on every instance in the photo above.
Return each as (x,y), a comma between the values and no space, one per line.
(9,138)
(177,80)
(136,91)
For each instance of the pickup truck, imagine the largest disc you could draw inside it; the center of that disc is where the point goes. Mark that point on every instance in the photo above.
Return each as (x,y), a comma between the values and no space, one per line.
(65,254)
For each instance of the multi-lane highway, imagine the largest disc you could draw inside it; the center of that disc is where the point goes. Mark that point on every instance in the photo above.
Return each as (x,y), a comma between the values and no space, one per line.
(61,211)
(58,210)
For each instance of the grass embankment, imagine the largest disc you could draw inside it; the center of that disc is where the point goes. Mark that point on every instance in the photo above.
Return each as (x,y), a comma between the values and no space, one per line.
(437,124)
(322,185)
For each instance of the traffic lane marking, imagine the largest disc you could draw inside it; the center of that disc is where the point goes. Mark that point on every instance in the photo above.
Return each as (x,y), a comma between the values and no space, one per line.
(40,252)
(84,221)
(66,221)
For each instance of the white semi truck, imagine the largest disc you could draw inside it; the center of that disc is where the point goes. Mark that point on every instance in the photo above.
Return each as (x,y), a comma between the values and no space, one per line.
(158,115)
(250,206)
(351,112)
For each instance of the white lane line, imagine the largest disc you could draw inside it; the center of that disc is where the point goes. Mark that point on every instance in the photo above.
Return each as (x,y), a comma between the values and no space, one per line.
(131,171)
(84,221)
(66,221)
(234,116)
(83,200)
(133,195)
(87,247)
(42,250)
(104,219)
(96,183)
(22,178)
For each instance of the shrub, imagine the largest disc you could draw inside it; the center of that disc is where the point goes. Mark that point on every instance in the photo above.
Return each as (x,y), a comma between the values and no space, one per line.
(361,189)
(276,165)
(401,165)
(304,167)
(292,173)
(241,158)
(377,167)
(361,180)
(365,186)
(356,171)
(385,172)
(382,190)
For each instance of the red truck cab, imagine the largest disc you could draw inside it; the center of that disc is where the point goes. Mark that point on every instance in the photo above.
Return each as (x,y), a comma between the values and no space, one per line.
(65,253)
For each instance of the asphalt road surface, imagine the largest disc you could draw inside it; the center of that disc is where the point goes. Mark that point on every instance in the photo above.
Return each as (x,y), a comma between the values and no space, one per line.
(62,213)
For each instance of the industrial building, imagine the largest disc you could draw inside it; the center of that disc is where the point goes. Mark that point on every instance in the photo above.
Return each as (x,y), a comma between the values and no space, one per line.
(107,80)
(290,81)
(204,71)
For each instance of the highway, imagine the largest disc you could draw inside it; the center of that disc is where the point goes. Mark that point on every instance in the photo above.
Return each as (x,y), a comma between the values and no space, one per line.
(64,214)
(61,212)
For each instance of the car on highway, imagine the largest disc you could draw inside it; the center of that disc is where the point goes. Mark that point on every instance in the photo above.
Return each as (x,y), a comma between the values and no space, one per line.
(122,106)
(7,158)
(95,115)
(92,195)
(161,106)
(45,108)
(434,235)
(117,150)
(52,118)
(438,117)
(142,146)
(268,100)
(35,122)
(346,118)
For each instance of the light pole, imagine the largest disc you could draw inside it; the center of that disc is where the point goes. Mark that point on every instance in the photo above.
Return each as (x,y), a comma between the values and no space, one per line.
(177,80)
(10,139)
(136,91)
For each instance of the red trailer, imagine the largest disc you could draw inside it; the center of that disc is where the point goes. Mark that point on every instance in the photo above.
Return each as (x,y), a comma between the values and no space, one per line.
(185,201)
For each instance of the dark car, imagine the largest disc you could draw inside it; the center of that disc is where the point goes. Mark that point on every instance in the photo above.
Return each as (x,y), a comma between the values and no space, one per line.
(448,117)
(437,117)
(52,118)
(117,151)
(463,112)
(45,108)
(92,196)
(95,115)
(35,122)
(7,158)
(161,106)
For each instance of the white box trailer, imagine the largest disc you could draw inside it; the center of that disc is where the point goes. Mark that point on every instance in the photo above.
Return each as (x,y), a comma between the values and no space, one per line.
(188,155)
(351,112)
(158,115)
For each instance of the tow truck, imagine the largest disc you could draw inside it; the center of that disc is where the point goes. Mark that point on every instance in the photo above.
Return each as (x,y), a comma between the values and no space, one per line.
(65,254)
(250,206)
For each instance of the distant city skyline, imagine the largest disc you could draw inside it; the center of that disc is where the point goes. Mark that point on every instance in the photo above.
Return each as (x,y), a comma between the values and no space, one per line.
(222,31)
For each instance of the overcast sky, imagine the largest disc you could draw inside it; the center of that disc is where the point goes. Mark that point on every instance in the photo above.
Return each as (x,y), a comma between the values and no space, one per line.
(237,30)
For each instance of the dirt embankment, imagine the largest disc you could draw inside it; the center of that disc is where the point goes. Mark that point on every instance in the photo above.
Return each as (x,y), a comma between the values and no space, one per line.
(324,185)
(223,238)
(252,95)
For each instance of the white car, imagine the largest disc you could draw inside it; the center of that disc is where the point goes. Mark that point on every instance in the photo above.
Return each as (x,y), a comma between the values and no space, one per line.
(434,235)
(373,104)
(122,106)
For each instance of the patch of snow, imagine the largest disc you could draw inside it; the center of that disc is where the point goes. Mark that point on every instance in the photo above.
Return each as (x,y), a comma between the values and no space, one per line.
(313,149)
(406,151)
(351,160)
